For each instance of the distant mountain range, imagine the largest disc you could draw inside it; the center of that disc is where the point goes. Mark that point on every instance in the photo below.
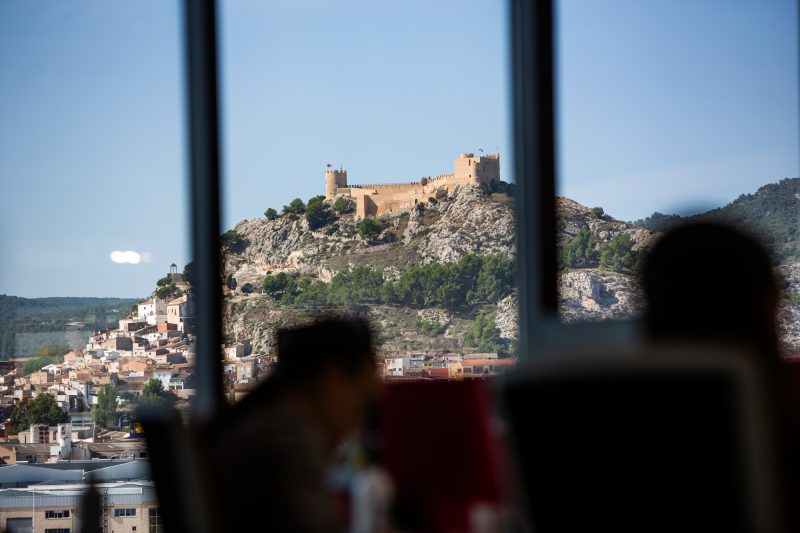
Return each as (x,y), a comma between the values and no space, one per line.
(29,323)
(771,212)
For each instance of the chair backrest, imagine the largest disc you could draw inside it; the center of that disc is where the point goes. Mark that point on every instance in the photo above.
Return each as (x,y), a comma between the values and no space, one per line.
(439,448)
(680,438)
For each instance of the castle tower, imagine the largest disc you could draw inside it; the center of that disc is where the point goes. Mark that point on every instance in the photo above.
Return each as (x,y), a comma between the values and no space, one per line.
(334,179)
(476,170)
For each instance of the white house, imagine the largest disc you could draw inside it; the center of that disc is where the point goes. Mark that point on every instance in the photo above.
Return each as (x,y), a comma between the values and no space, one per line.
(53,369)
(164,376)
(153,312)
(396,366)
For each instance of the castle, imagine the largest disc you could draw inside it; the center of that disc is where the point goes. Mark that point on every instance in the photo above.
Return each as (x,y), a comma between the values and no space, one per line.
(379,199)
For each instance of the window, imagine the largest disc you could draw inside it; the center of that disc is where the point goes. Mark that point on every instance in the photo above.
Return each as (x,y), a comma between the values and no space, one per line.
(124,512)
(655,130)
(57,530)
(154,520)
(343,223)
(92,147)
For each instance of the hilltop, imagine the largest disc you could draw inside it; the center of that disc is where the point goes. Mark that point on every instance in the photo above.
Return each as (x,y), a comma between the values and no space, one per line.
(771,212)
(334,267)
(464,246)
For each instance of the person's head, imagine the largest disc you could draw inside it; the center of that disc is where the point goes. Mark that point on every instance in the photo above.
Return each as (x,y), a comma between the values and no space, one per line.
(330,366)
(706,281)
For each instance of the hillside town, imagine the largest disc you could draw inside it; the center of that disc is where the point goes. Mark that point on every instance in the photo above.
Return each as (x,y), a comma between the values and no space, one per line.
(155,342)
(44,467)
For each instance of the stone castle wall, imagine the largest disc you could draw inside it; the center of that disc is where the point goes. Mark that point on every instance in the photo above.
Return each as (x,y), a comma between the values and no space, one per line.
(384,198)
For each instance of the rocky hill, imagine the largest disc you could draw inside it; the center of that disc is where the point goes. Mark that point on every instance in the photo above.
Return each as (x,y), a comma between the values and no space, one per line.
(435,278)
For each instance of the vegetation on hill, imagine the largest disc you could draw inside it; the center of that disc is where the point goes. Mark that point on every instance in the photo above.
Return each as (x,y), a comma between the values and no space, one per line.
(771,213)
(583,251)
(319,213)
(485,337)
(233,242)
(370,228)
(27,324)
(658,221)
(295,207)
(474,280)
(47,355)
(344,205)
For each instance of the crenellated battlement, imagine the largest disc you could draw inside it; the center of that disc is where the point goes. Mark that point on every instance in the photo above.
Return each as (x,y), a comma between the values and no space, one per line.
(375,199)
(400,185)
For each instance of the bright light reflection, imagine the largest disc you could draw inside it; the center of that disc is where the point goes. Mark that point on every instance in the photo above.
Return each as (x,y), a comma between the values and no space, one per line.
(128,256)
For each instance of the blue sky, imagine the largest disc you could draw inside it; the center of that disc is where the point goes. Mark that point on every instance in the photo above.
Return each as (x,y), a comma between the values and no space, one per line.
(663,105)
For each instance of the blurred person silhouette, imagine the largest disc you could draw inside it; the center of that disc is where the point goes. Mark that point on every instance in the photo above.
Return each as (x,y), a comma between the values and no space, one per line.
(711,282)
(270,453)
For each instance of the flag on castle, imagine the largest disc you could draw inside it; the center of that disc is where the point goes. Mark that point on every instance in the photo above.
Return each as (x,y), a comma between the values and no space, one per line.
(328,165)
(480,150)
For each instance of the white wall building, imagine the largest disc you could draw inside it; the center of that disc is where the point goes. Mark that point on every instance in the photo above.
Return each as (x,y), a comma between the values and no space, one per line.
(396,366)
(151,311)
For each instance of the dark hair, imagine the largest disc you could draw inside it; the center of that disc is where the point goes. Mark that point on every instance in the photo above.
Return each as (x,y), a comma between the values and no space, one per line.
(306,352)
(707,281)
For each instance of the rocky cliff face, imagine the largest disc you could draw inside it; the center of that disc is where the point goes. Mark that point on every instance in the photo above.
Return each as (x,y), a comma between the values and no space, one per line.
(471,220)
(593,294)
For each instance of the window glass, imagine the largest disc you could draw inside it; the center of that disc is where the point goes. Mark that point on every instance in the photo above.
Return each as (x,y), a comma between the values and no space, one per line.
(667,112)
(92,217)
(367,171)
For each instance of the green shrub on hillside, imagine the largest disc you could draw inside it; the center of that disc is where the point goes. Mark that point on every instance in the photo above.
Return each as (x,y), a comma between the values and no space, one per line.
(168,292)
(233,242)
(344,205)
(474,280)
(484,335)
(370,228)
(279,286)
(318,213)
(295,207)
(617,254)
(579,251)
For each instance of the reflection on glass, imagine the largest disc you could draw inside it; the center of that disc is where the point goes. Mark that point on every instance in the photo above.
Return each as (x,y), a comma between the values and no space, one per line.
(364,175)
(671,112)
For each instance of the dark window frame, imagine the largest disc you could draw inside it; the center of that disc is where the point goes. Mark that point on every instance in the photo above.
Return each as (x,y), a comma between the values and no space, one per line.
(532,34)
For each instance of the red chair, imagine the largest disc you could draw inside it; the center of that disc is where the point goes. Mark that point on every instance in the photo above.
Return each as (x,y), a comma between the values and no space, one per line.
(439,447)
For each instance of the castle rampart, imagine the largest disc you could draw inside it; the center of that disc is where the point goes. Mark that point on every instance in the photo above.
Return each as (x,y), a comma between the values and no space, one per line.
(382,198)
